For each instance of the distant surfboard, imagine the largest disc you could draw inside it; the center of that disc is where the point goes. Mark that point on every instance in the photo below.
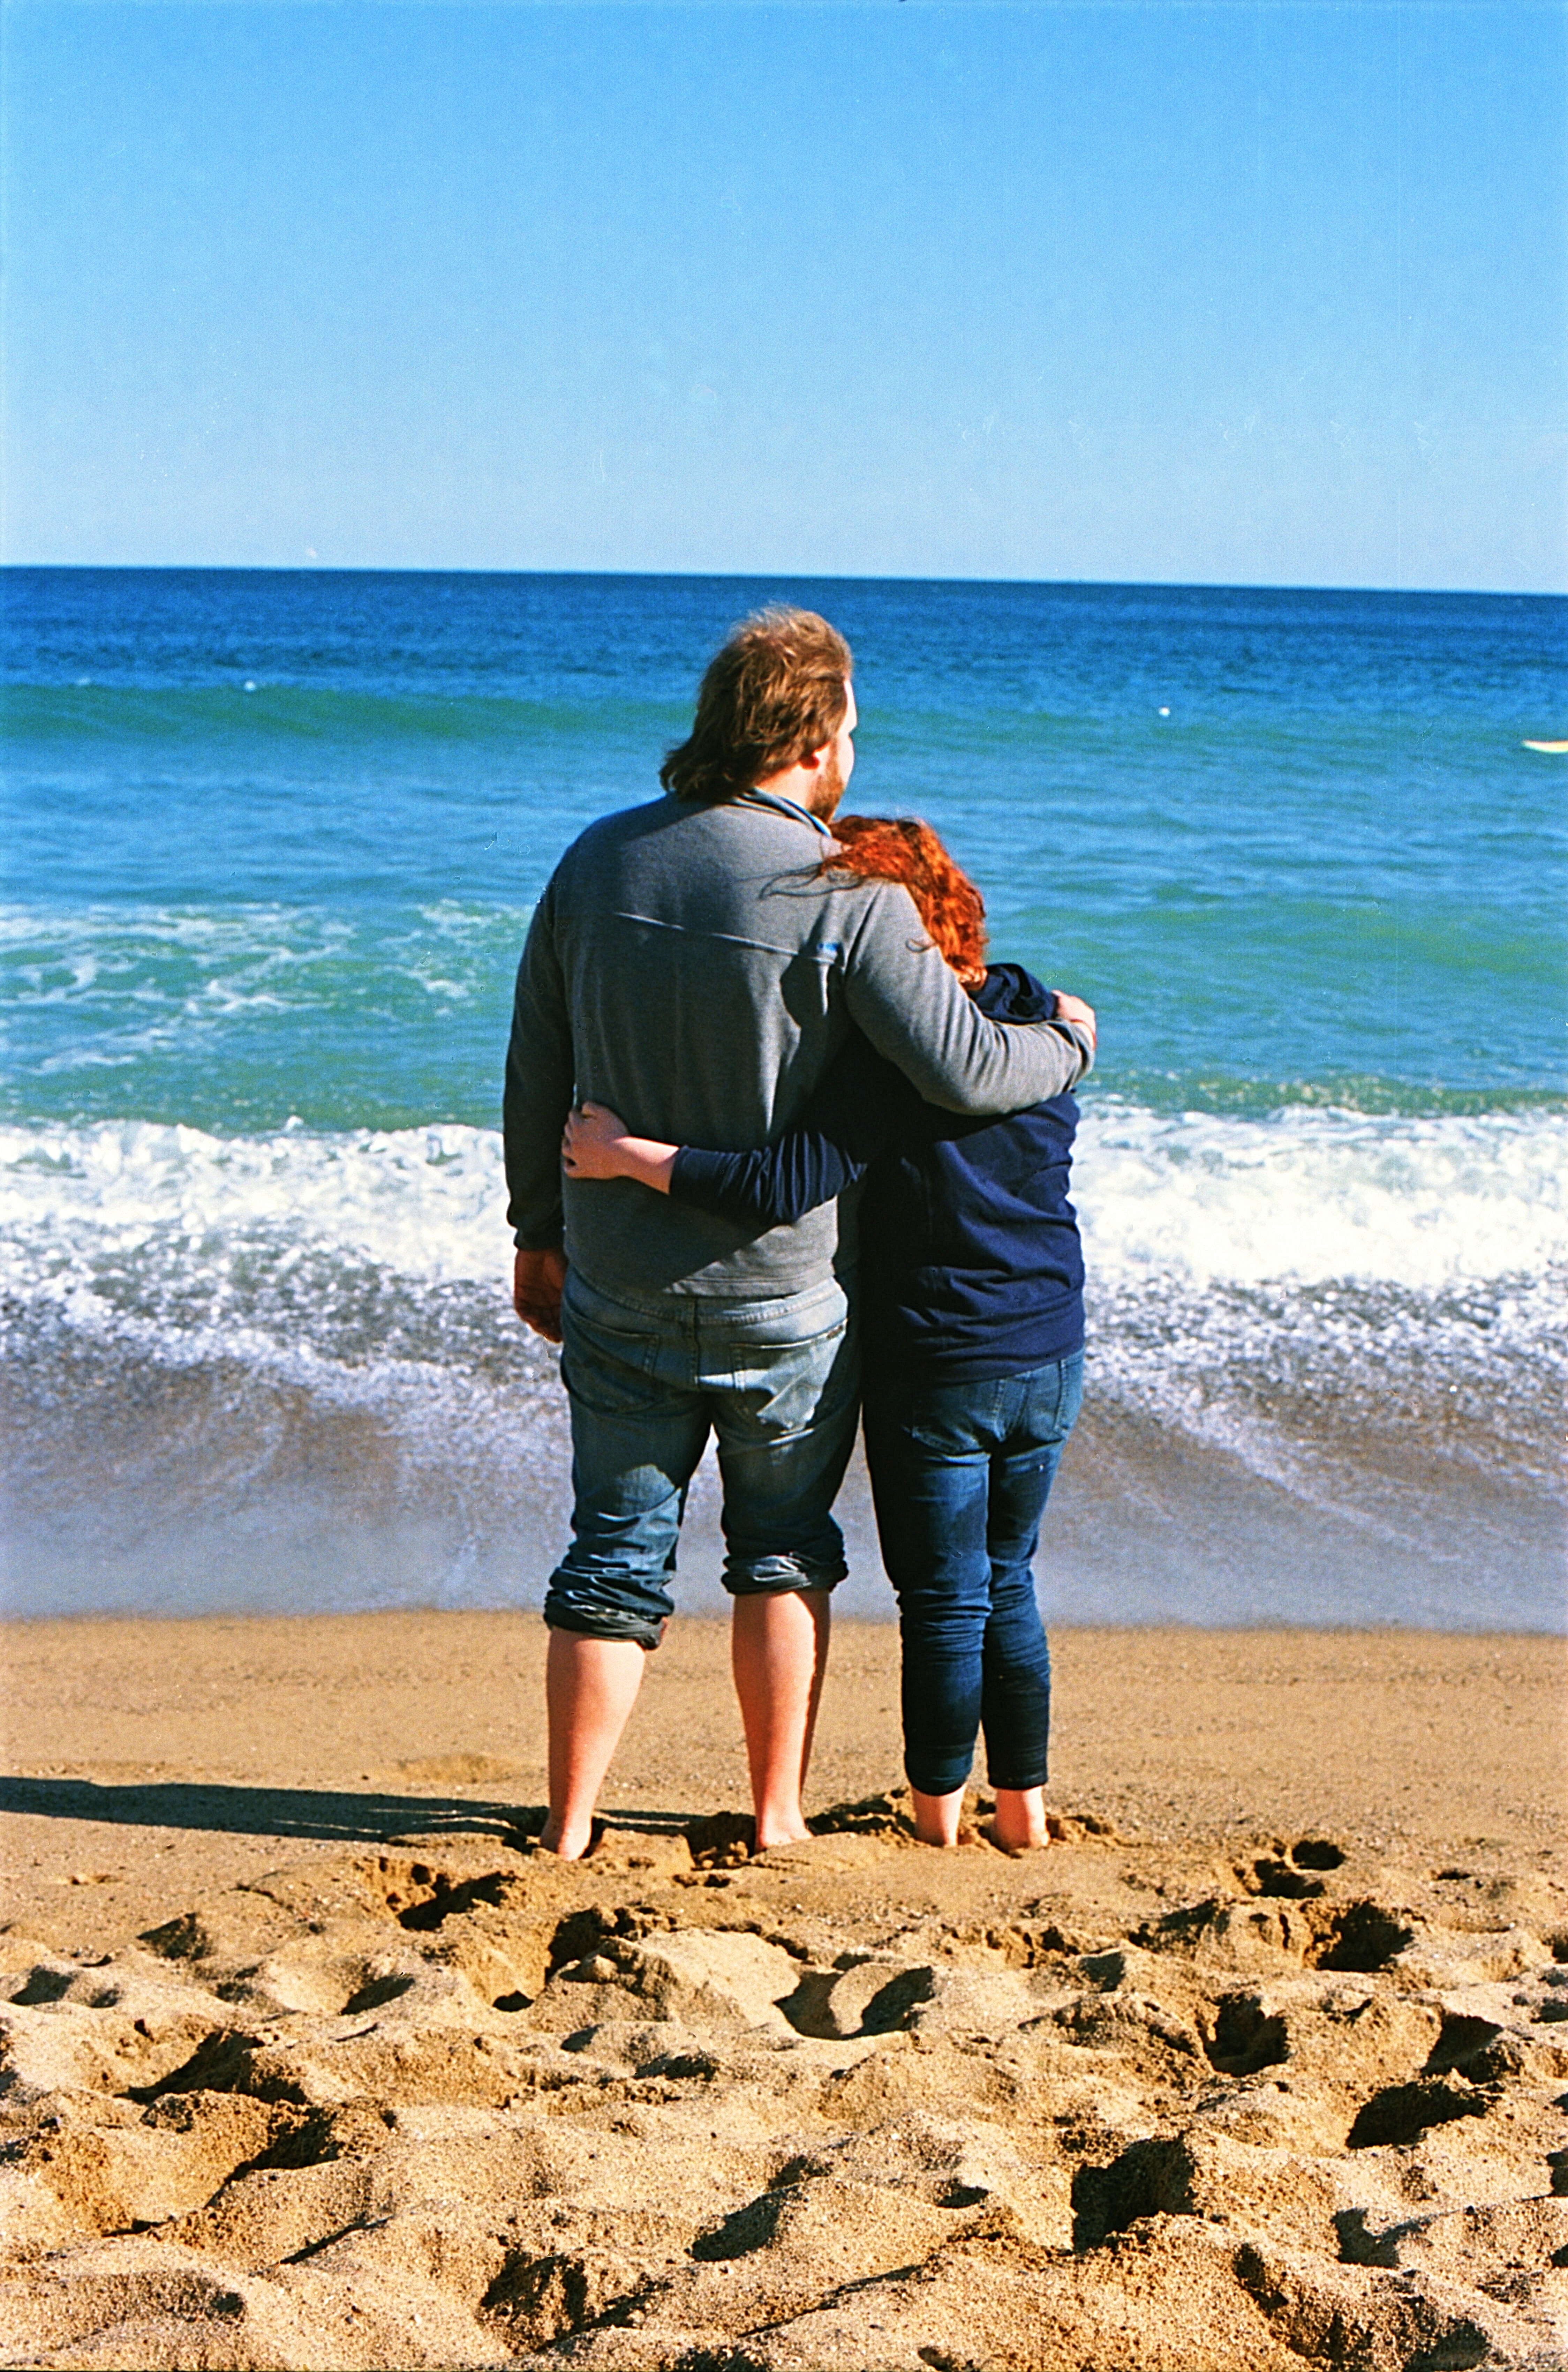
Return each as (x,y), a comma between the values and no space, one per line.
(1557,748)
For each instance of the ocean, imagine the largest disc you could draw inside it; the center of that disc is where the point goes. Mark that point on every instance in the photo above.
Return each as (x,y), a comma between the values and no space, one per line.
(272,843)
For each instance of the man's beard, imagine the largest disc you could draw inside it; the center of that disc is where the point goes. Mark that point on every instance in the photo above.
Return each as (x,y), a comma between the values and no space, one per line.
(829,789)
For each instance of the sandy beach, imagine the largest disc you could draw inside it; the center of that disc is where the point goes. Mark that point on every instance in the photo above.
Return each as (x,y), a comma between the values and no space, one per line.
(314,2061)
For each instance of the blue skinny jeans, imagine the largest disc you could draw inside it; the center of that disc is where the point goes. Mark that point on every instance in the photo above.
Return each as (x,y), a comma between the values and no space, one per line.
(961,1474)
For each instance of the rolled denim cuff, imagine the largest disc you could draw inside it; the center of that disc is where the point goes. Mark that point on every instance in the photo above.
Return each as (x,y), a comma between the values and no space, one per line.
(566,1612)
(774,1576)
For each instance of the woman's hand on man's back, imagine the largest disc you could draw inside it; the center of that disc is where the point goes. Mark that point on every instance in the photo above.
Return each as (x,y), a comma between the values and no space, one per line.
(596,1143)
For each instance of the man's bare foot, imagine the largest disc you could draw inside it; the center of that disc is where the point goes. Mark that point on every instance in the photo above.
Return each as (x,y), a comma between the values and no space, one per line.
(784,1831)
(570,1843)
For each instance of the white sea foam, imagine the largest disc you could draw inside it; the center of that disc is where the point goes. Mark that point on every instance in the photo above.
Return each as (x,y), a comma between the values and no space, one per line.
(1426,1206)
(125,951)
(282,932)
(426,1203)
(1310,1196)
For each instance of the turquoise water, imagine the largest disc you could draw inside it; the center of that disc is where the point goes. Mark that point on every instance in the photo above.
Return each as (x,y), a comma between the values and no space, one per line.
(274,841)
(1287,888)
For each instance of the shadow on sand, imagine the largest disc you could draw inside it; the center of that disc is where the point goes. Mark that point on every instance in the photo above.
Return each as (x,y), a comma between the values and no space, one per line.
(337,1818)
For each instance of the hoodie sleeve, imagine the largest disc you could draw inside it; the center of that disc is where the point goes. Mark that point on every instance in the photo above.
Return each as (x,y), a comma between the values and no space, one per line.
(846,1125)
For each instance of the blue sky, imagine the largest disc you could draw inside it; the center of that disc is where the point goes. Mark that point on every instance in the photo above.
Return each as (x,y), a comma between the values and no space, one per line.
(1246,294)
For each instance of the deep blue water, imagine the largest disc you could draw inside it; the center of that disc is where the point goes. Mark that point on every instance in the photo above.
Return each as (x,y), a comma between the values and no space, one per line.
(272,841)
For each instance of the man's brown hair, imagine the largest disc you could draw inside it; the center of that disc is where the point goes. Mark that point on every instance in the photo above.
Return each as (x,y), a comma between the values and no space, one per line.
(777,690)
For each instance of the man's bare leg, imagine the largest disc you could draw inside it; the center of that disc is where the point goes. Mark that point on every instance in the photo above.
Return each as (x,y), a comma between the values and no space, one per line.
(779,1653)
(590,1686)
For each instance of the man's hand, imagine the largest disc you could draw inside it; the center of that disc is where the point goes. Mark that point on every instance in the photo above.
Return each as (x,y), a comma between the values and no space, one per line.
(537,1282)
(1072,1008)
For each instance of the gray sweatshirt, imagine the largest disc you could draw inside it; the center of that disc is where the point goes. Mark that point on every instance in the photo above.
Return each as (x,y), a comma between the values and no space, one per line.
(689,966)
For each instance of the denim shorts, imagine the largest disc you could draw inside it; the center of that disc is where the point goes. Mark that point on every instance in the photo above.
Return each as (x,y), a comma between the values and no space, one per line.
(648,1377)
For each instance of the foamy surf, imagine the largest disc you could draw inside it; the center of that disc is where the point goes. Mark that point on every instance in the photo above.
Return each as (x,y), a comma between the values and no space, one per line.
(1313,1195)
(1304,1196)
(277,1350)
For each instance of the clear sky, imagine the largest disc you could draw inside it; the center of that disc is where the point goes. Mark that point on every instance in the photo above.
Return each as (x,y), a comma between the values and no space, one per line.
(1249,294)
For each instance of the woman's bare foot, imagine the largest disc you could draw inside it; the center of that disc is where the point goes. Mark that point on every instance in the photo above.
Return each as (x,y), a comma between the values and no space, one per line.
(1019,1824)
(937,1818)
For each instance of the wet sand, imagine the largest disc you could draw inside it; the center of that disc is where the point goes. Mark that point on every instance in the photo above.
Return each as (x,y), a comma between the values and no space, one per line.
(313,2060)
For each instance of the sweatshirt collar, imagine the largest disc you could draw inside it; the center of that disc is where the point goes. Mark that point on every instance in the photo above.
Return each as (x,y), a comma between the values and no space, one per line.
(788,808)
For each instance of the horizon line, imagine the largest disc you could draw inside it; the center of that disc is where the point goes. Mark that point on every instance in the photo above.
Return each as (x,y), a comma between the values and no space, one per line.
(758,576)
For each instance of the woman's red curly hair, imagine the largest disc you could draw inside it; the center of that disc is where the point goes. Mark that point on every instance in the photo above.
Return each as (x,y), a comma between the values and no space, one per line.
(902,848)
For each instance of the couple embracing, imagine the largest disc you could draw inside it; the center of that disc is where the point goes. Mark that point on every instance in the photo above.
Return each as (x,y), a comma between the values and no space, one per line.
(779,1141)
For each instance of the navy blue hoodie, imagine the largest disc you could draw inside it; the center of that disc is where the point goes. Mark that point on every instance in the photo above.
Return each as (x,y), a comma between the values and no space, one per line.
(972,1266)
